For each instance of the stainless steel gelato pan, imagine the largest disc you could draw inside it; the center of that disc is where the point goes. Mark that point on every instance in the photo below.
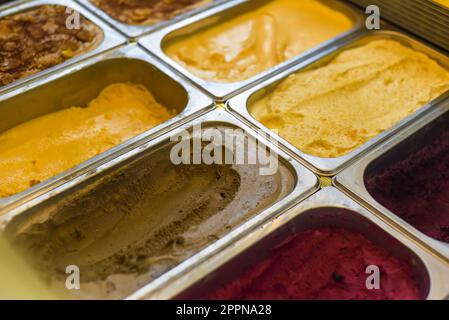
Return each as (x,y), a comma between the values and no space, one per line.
(140,217)
(219,17)
(328,208)
(387,167)
(35,107)
(281,90)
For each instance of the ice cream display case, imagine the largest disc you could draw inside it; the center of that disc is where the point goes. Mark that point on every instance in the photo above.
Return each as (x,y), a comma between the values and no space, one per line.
(225,49)
(199,207)
(226,150)
(80,93)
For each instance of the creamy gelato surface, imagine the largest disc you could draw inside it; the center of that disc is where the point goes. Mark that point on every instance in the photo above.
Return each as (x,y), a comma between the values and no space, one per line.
(333,109)
(46,146)
(127,227)
(249,44)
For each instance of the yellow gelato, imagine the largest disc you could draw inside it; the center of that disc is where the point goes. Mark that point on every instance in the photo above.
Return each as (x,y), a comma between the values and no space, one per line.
(46,146)
(331,110)
(442,2)
(253,42)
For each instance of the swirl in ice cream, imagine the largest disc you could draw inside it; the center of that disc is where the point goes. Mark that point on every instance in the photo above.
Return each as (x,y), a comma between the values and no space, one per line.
(249,44)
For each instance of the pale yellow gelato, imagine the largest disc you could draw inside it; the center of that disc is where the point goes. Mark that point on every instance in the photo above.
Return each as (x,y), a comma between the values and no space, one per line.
(253,42)
(46,146)
(333,109)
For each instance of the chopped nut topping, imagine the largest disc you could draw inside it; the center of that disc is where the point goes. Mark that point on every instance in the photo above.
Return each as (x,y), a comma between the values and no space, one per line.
(37,39)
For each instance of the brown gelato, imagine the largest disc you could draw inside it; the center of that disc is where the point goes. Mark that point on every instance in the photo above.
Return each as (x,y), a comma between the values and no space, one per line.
(37,39)
(127,227)
(146,12)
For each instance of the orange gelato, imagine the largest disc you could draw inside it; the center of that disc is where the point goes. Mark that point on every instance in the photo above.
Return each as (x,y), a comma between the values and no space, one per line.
(46,146)
(249,44)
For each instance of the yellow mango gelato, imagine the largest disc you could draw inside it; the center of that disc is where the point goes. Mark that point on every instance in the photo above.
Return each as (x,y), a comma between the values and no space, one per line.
(253,42)
(46,146)
(333,109)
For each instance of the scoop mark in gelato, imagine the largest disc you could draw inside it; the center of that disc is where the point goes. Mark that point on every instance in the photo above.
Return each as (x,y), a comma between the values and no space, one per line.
(229,146)
(253,42)
(129,226)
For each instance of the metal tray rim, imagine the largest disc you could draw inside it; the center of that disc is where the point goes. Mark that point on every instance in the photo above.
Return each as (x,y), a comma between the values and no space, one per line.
(134,31)
(197,104)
